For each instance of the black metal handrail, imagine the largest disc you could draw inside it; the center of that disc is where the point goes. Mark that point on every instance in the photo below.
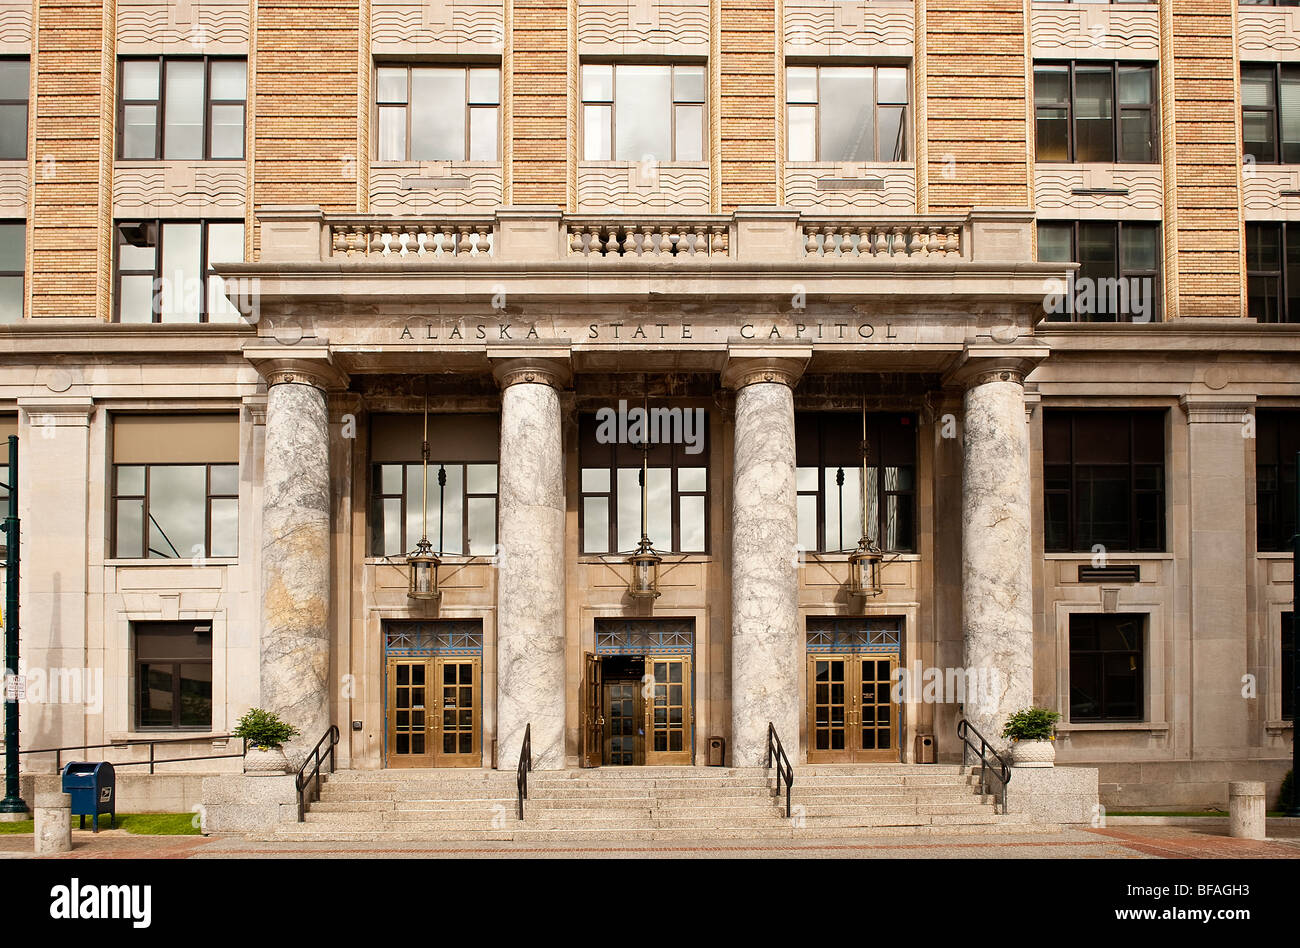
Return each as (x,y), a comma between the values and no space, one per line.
(525,765)
(784,771)
(984,752)
(58,752)
(315,759)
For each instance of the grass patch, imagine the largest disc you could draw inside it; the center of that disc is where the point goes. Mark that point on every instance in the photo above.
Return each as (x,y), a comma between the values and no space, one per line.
(139,824)
(17,829)
(1221,814)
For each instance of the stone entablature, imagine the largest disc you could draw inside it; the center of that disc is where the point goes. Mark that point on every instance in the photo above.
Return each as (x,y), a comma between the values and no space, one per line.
(1091,31)
(182,27)
(849,27)
(182,189)
(443,27)
(643,28)
(1267,34)
(1098,192)
(1271,192)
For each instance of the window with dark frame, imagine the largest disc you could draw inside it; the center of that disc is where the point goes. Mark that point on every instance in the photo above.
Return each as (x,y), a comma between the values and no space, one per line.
(1273,272)
(1118,279)
(437,113)
(1277,439)
(640,111)
(847,113)
(462,507)
(163,270)
(173,675)
(1270,112)
(1267,3)
(182,107)
(1106,666)
(677,491)
(1288,666)
(828,480)
(170,511)
(1103,480)
(14,92)
(13,258)
(1075,106)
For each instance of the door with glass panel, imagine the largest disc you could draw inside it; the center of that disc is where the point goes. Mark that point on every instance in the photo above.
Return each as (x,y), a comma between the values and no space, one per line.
(434,710)
(851,714)
(669,710)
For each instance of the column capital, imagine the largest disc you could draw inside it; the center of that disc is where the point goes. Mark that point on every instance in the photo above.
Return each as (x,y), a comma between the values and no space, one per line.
(750,365)
(59,411)
(300,365)
(979,365)
(541,366)
(1220,409)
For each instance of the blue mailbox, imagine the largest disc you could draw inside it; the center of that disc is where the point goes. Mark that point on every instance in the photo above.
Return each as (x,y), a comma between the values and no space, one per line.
(93,788)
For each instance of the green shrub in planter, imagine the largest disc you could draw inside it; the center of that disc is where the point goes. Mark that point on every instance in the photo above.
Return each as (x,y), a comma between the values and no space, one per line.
(264,729)
(1288,788)
(1031,724)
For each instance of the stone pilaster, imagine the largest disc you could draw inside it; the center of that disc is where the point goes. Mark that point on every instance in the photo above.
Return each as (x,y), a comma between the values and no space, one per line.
(766,641)
(530,574)
(997,575)
(295,642)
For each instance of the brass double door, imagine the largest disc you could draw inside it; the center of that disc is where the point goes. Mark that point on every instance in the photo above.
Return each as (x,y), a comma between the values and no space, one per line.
(626,721)
(851,715)
(434,712)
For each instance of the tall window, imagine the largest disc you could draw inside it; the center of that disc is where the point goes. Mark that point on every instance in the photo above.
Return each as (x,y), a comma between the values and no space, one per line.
(1270,112)
(462,484)
(846,113)
(438,113)
(828,478)
(1106,656)
(1118,279)
(1075,105)
(1273,272)
(1277,439)
(13,247)
(1288,666)
(175,486)
(164,270)
(1103,480)
(13,109)
(189,108)
(635,111)
(677,485)
(173,675)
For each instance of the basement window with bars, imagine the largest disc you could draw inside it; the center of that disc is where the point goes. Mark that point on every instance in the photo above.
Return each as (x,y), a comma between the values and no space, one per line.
(163,270)
(1075,109)
(1273,272)
(437,113)
(642,112)
(182,107)
(846,113)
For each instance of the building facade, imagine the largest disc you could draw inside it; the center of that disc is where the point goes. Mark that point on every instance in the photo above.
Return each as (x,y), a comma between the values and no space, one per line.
(292,286)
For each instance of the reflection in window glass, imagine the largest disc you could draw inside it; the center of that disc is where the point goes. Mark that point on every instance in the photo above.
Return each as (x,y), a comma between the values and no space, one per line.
(846,113)
(13,245)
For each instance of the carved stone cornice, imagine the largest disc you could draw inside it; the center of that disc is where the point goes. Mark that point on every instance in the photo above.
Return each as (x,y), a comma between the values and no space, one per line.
(297,365)
(550,366)
(754,365)
(981,365)
(1217,409)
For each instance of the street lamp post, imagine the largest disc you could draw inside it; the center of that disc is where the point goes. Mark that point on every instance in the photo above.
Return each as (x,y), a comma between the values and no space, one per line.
(12,806)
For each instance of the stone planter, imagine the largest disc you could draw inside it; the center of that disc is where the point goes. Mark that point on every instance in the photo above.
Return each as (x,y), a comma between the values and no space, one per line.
(265,761)
(1033,753)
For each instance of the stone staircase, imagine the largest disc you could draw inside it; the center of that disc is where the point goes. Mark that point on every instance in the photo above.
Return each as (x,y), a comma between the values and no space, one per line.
(627,804)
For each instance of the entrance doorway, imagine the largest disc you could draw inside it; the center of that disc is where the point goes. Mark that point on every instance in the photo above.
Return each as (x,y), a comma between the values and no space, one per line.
(433,699)
(851,714)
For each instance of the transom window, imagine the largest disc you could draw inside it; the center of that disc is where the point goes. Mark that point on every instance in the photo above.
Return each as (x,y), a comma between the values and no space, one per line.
(164,270)
(438,113)
(1270,112)
(846,113)
(828,478)
(677,488)
(183,107)
(1103,480)
(1277,439)
(173,674)
(1118,279)
(1273,272)
(14,90)
(13,253)
(1106,658)
(637,111)
(1075,105)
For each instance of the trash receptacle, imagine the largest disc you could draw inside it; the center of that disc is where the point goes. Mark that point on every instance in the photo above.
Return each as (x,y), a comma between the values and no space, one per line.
(925,751)
(93,788)
(717,751)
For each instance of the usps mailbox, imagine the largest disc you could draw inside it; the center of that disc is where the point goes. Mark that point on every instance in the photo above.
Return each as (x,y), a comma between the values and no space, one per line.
(93,788)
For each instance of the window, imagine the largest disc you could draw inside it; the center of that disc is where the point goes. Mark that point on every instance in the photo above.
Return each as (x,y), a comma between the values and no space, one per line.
(175,486)
(1106,667)
(189,108)
(1270,112)
(13,253)
(1075,106)
(677,484)
(173,674)
(1273,272)
(633,111)
(846,113)
(1118,279)
(828,478)
(462,485)
(1103,480)
(1277,439)
(14,88)
(164,270)
(437,113)
(1288,666)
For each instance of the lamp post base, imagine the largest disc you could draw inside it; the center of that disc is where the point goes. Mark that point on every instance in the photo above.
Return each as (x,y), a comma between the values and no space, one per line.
(13,810)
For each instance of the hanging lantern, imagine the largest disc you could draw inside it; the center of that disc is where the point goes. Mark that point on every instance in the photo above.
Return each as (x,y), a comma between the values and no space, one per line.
(864,570)
(645,571)
(422,563)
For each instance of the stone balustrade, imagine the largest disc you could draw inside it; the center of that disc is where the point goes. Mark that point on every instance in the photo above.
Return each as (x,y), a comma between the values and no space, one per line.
(846,237)
(597,237)
(371,237)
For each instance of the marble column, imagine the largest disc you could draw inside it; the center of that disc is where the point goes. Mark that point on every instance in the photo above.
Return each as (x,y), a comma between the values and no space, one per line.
(295,643)
(530,570)
(766,641)
(997,577)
